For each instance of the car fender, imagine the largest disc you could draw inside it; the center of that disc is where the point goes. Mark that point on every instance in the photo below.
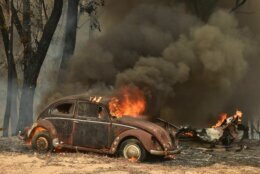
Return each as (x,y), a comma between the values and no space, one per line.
(144,137)
(45,124)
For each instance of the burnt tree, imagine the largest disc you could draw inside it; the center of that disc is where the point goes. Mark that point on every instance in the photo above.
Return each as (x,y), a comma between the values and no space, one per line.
(71,29)
(70,35)
(12,89)
(33,58)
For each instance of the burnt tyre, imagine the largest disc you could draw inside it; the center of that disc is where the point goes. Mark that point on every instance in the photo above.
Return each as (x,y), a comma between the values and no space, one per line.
(133,150)
(42,142)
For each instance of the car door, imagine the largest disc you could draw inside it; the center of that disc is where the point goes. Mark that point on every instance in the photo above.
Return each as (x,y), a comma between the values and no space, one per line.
(61,116)
(91,126)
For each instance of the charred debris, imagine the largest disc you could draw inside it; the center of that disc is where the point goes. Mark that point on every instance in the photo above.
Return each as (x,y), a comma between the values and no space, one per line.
(227,133)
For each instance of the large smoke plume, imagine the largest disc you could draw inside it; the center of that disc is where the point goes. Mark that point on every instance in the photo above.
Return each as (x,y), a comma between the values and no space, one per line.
(189,70)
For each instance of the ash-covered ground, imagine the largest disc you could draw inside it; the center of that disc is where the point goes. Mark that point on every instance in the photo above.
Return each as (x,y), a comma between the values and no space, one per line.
(195,158)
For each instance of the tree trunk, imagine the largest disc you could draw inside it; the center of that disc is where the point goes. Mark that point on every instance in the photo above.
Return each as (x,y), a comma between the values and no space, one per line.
(39,14)
(12,90)
(14,114)
(11,93)
(70,35)
(26,106)
(11,100)
(4,31)
(25,110)
(33,64)
(27,35)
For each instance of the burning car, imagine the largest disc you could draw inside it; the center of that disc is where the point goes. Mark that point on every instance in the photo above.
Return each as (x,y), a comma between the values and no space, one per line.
(86,124)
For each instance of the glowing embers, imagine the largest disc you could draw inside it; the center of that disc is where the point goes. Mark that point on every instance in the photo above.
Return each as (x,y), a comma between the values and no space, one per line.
(189,134)
(129,101)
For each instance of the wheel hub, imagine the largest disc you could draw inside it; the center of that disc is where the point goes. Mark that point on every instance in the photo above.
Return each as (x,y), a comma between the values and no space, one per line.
(42,144)
(132,152)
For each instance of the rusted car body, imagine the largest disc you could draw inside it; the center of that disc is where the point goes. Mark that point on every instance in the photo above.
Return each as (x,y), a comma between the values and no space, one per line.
(81,123)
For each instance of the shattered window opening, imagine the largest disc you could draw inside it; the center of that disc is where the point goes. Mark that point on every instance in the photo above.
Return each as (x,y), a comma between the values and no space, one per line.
(86,109)
(63,109)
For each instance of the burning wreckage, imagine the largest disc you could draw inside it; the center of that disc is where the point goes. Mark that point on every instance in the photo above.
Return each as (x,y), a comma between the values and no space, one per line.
(114,126)
(228,130)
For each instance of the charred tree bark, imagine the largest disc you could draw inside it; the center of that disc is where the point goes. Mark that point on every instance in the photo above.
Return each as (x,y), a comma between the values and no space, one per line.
(39,11)
(25,110)
(4,31)
(44,10)
(11,100)
(18,25)
(34,61)
(14,96)
(70,35)
(12,89)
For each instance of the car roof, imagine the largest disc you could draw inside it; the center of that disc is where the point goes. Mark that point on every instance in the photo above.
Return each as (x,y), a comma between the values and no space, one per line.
(104,101)
(94,99)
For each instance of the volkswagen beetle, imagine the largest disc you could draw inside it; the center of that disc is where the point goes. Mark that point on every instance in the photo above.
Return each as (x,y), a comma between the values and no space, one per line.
(84,124)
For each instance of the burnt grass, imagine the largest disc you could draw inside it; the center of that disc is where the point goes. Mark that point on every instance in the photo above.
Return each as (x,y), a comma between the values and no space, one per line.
(194,154)
(200,155)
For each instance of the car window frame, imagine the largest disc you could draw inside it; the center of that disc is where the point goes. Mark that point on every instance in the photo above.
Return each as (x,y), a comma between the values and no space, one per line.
(86,118)
(63,115)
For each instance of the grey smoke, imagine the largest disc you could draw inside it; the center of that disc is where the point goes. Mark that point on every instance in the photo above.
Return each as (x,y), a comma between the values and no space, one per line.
(190,71)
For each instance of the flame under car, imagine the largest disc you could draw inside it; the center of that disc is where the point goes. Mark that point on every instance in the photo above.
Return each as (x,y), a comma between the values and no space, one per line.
(85,124)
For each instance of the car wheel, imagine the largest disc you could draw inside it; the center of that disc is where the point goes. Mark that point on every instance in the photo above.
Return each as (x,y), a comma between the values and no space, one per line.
(42,142)
(133,150)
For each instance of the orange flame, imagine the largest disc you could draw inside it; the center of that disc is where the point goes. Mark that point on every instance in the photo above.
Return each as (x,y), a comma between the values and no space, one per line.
(130,101)
(223,117)
(238,115)
(189,134)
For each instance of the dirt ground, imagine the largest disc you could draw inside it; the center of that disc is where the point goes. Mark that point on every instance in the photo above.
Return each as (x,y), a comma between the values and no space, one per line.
(16,158)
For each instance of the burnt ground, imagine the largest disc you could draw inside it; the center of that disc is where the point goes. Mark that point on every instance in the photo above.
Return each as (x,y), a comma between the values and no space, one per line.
(195,158)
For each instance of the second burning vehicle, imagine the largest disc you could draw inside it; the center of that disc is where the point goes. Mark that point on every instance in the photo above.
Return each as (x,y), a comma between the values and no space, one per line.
(83,123)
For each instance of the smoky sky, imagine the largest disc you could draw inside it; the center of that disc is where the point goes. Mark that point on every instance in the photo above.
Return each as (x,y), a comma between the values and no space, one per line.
(189,70)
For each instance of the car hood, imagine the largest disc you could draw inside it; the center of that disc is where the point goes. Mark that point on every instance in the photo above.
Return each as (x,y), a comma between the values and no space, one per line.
(158,132)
